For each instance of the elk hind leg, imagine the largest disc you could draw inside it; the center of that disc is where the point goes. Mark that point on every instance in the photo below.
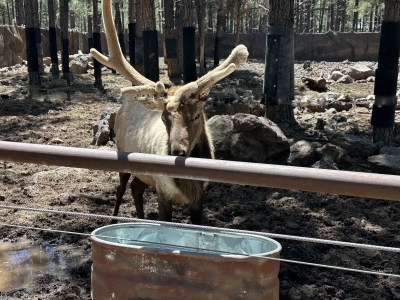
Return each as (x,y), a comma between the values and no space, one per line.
(138,187)
(196,212)
(123,181)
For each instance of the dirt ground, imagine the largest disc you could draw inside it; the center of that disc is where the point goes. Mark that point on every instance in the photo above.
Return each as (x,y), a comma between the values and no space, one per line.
(26,116)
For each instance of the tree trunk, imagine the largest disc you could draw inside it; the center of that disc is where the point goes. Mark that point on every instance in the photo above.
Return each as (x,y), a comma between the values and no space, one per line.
(321,16)
(179,35)
(188,42)
(279,63)
(53,38)
(132,31)
(31,44)
(171,40)
(383,111)
(238,21)
(19,7)
(64,12)
(201,16)
(344,9)
(97,45)
(146,21)
(220,16)
(355,17)
(308,16)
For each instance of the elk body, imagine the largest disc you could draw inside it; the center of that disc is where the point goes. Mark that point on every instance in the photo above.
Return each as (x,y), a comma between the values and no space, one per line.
(156,121)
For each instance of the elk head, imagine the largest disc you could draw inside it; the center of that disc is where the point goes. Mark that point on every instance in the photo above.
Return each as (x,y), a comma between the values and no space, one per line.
(181,108)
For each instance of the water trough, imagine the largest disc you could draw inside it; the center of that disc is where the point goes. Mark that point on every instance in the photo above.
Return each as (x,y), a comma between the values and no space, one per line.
(151,261)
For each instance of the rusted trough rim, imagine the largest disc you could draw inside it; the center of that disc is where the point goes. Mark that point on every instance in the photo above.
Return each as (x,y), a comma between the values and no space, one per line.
(368,185)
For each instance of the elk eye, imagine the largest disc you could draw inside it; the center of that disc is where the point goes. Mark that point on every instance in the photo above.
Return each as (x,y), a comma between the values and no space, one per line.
(198,116)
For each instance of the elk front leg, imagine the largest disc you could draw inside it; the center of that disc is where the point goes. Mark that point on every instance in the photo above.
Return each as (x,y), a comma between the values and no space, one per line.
(164,209)
(123,180)
(138,187)
(196,212)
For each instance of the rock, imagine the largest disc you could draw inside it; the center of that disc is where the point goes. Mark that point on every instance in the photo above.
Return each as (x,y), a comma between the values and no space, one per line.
(329,95)
(331,111)
(221,128)
(345,79)
(273,138)
(356,146)
(318,84)
(339,118)
(389,150)
(320,124)
(245,122)
(79,65)
(47,61)
(307,64)
(239,136)
(56,141)
(371,79)
(244,147)
(317,104)
(302,154)
(325,163)
(307,117)
(229,94)
(359,72)
(385,163)
(336,153)
(59,96)
(294,294)
(340,105)
(59,83)
(344,98)
(336,75)
(362,102)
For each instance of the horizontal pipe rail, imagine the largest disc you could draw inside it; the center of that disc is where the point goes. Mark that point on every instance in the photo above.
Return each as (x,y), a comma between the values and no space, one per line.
(367,185)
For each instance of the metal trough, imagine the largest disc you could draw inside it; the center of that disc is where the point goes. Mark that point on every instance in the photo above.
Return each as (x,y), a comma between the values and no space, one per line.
(150,261)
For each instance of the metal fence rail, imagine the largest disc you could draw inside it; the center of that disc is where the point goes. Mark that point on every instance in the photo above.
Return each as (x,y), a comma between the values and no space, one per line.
(367,185)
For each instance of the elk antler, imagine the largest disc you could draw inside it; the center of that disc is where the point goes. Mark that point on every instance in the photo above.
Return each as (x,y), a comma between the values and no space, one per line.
(118,62)
(238,56)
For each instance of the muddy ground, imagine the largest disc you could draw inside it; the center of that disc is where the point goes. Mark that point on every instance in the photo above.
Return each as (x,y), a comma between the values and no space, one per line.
(26,116)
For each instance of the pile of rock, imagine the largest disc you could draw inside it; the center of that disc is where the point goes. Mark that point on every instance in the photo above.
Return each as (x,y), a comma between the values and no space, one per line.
(360,73)
(245,137)
(233,100)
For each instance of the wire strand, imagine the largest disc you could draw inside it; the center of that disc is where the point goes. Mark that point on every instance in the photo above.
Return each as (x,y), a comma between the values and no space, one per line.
(216,251)
(267,234)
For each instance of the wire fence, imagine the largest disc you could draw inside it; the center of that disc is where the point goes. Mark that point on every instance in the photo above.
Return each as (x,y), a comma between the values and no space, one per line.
(316,180)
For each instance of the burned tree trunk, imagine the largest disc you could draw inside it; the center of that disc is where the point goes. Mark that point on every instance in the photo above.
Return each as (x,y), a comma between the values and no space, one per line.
(19,7)
(64,39)
(189,41)
(97,45)
(279,63)
(132,31)
(31,43)
(53,39)
(383,111)
(171,40)
(201,17)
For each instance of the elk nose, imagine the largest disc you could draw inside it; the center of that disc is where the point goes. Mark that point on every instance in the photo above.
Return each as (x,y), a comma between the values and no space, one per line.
(178,153)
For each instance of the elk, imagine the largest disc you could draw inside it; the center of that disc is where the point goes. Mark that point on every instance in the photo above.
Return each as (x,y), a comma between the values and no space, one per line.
(156,121)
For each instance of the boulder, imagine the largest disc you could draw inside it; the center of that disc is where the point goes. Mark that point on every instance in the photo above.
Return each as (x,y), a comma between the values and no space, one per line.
(244,147)
(103,129)
(358,72)
(325,163)
(336,75)
(317,104)
(340,105)
(79,65)
(302,154)
(385,163)
(245,137)
(336,153)
(221,128)
(356,146)
(345,79)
